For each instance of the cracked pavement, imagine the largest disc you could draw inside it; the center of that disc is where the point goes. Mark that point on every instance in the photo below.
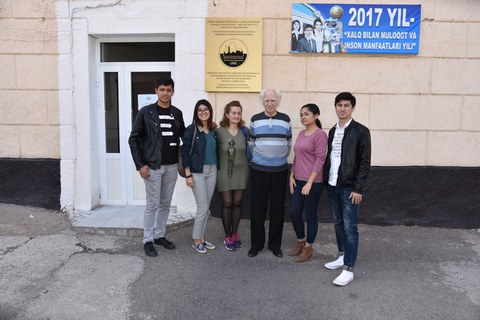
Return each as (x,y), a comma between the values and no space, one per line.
(48,271)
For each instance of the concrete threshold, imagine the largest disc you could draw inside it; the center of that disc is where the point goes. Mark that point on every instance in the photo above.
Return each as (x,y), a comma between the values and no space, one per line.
(122,220)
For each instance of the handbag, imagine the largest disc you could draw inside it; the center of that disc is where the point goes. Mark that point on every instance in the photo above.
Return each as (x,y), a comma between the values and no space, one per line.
(181,169)
(248,151)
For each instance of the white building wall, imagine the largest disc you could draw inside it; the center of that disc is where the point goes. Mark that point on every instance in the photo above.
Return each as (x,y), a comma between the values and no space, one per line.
(79,24)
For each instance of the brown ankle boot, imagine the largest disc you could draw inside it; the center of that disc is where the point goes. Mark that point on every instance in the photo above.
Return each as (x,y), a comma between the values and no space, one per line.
(298,249)
(305,255)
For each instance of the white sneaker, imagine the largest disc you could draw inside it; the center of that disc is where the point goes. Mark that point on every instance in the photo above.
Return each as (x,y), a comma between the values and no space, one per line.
(200,248)
(344,278)
(335,264)
(208,245)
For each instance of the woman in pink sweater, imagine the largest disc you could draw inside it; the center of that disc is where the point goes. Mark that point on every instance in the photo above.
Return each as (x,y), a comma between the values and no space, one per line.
(306,180)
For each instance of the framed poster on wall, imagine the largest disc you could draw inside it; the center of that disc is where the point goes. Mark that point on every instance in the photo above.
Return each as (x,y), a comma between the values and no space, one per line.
(355,28)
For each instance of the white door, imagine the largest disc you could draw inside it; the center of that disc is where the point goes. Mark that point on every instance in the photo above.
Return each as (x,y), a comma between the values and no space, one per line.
(123,89)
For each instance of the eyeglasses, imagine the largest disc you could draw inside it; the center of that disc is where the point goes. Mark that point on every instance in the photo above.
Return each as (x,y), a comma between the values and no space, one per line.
(203,110)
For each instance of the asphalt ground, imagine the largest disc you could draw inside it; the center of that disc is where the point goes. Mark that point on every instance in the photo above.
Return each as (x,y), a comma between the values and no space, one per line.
(401,273)
(49,271)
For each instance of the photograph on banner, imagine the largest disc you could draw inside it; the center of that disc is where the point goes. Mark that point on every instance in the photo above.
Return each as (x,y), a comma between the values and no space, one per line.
(355,28)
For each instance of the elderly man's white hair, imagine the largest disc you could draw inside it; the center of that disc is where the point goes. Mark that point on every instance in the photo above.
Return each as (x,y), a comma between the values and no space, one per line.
(277,93)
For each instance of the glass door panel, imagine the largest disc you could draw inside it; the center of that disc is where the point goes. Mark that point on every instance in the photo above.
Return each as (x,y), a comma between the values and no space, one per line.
(111,146)
(112,125)
(141,93)
(143,89)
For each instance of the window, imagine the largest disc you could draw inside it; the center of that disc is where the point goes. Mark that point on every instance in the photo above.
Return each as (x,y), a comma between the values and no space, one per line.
(111,113)
(137,51)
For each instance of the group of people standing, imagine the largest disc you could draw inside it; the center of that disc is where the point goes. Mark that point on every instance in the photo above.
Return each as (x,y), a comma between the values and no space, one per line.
(220,157)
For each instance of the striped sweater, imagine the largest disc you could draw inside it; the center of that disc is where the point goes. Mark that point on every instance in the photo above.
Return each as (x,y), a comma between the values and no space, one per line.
(271,141)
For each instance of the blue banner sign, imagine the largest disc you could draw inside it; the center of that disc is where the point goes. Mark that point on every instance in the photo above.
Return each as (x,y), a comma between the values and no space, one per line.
(355,28)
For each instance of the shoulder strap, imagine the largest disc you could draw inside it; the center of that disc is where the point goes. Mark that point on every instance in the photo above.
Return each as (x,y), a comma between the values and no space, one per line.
(245,134)
(193,139)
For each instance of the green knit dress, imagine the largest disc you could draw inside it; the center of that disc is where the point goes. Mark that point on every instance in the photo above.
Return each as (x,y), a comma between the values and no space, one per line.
(233,173)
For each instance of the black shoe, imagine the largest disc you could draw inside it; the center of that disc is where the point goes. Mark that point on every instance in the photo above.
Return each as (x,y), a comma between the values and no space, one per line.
(252,253)
(150,249)
(277,253)
(164,242)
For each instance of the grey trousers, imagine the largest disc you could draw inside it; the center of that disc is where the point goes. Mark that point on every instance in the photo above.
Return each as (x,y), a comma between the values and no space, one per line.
(203,188)
(159,188)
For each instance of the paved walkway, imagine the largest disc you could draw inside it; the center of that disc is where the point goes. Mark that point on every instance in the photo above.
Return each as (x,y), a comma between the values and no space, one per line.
(402,272)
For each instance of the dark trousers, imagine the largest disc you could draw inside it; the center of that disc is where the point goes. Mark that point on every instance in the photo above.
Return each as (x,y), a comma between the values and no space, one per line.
(308,204)
(268,188)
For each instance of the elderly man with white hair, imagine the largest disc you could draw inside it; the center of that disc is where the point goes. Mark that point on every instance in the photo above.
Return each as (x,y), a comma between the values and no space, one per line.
(271,135)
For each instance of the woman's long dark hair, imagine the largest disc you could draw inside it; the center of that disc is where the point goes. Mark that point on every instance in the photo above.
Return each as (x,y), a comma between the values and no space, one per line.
(314,27)
(299,25)
(196,119)
(313,108)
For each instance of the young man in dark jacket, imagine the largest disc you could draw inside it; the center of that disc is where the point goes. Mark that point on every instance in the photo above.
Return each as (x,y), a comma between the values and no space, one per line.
(346,169)
(154,143)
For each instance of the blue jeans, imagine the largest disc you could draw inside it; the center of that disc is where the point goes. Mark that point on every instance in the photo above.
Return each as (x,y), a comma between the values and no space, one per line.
(345,218)
(309,204)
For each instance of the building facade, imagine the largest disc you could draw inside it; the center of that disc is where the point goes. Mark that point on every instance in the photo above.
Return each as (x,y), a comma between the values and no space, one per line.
(74,73)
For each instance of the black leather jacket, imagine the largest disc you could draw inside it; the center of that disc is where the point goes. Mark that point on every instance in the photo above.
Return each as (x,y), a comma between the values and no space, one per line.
(146,137)
(355,162)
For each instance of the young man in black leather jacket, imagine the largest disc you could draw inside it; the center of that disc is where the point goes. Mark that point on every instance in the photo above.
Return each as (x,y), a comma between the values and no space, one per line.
(154,144)
(345,172)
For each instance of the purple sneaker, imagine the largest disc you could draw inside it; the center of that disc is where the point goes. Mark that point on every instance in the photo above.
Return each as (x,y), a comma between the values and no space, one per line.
(236,240)
(229,243)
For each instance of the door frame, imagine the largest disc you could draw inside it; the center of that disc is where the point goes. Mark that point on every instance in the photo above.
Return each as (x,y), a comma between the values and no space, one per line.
(128,173)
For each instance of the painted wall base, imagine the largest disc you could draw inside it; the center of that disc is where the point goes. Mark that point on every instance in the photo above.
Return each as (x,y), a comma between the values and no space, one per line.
(445,197)
(31,182)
